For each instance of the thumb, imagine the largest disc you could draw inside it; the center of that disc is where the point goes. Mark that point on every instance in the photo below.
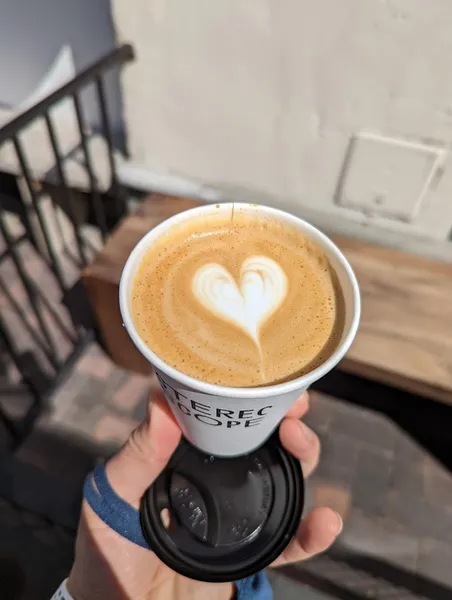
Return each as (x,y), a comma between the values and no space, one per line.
(145,454)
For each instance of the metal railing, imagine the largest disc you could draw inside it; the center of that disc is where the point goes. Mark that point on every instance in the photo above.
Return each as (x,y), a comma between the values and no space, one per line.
(33,244)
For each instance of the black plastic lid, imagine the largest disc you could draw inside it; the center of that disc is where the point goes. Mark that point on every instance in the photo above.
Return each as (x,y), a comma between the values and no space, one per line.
(229,517)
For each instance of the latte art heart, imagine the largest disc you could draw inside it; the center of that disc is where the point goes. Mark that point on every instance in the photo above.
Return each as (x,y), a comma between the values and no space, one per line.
(238,299)
(260,291)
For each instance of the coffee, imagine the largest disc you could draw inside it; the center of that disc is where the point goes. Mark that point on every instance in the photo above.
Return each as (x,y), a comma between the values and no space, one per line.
(238,299)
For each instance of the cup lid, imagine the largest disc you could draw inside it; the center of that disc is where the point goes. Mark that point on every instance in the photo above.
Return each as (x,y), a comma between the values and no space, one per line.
(228,517)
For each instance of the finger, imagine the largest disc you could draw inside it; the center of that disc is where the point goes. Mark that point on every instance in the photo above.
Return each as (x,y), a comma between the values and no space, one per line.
(316,533)
(145,454)
(300,408)
(302,442)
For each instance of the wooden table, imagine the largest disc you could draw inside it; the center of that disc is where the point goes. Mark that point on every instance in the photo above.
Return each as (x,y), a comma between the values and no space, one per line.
(405,336)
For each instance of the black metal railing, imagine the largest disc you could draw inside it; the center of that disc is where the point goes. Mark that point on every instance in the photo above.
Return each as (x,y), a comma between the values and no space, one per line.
(40,261)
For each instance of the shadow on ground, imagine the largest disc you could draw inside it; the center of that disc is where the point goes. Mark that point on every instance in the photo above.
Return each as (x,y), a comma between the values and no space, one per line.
(348,576)
(41,481)
(39,512)
(426,421)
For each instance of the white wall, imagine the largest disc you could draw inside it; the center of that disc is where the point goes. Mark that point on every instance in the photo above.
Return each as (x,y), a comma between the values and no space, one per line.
(262,99)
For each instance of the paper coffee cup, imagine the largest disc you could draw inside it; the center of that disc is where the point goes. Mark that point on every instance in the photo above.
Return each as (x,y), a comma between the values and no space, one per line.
(230,421)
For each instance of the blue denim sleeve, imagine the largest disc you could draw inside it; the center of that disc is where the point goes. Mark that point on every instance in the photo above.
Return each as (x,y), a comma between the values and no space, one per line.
(256,587)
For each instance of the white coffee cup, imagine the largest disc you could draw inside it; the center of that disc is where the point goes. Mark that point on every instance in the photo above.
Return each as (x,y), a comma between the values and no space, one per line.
(230,421)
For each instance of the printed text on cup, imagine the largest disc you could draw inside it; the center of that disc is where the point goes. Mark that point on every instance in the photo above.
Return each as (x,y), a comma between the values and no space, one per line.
(216,417)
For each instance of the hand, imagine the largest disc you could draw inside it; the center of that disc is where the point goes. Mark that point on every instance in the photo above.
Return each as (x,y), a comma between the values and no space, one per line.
(109,566)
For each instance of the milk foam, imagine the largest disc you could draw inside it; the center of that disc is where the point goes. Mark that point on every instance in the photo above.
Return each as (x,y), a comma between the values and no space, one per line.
(260,291)
(237,300)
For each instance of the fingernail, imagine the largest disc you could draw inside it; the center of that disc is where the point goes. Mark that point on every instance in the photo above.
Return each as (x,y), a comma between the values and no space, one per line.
(340,524)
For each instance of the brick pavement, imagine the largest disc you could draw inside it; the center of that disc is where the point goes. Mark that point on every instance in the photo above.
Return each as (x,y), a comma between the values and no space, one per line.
(99,403)
(395,498)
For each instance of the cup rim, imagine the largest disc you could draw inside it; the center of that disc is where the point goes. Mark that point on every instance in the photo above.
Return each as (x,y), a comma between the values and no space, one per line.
(301,382)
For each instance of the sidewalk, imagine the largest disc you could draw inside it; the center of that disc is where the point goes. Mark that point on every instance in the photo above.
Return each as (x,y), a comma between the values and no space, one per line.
(395,499)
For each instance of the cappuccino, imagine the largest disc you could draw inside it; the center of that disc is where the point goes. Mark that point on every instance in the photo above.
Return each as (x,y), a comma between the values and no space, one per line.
(238,299)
